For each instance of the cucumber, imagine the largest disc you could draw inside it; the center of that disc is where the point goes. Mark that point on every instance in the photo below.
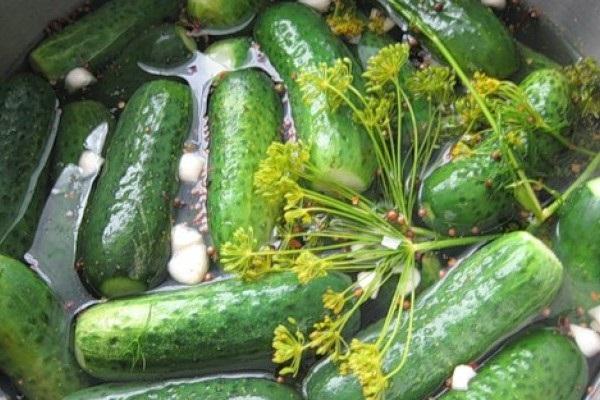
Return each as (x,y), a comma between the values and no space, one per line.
(210,388)
(470,191)
(161,46)
(34,335)
(27,116)
(487,297)
(99,37)
(245,115)
(531,61)
(125,233)
(576,244)
(223,14)
(542,365)
(78,120)
(231,53)
(295,38)
(469,30)
(221,326)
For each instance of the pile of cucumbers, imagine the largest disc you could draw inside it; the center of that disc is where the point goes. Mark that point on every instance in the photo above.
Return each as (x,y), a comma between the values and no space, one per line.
(148,338)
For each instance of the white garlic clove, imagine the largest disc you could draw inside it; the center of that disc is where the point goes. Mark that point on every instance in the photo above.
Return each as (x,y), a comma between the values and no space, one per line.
(461,377)
(90,163)
(587,340)
(183,236)
(191,166)
(78,78)
(190,265)
(319,5)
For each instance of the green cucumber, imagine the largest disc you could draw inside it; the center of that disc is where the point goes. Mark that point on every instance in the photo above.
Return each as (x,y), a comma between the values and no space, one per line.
(210,388)
(576,244)
(77,121)
(34,336)
(245,115)
(470,192)
(486,298)
(231,53)
(161,46)
(99,37)
(223,14)
(124,238)
(221,326)
(531,61)
(469,30)
(27,117)
(295,38)
(542,365)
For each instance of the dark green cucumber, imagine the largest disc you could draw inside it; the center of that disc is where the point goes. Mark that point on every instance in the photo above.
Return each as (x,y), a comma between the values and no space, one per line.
(210,388)
(225,325)
(543,365)
(125,233)
(99,37)
(231,53)
(531,61)
(160,46)
(245,115)
(576,244)
(77,121)
(470,192)
(469,30)
(489,295)
(27,116)
(223,14)
(295,38)
(34,336)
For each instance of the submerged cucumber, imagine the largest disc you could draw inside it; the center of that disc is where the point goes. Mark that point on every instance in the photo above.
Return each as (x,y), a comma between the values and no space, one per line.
(232,53)
(125,233)
(225,325)
(99,37)
(27,115)
(543,365)
(210,388)
(223,14)
(245,115)
(576,244)
(489,295)
(77,121)
(161,46)
(34,336)
(295,38)
(469,30)
(470,192)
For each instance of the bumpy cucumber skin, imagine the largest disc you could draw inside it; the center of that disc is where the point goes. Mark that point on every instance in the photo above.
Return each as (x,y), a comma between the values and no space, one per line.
(231,53)
(245,115)
(125,233)
(576,244)
(34,335)
(162,46)
(470,191)
(211,388)
(469,30)
(27,113)
(294,38)
(542,365)
(98,37)
(77,121)
(223,14)
(217,327)
(492,293)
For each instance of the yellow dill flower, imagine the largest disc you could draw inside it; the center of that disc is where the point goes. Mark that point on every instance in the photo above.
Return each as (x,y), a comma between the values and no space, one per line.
(299,214)
(377,22)
(288,346)
(334,301)
(460,150)
(326,338)
(332,81)
(239,257)
(365,361)
(484,84)
(385,66)
(378,112)
(308,267)
(278,172)
(293,197)
(433,83)
(347,24)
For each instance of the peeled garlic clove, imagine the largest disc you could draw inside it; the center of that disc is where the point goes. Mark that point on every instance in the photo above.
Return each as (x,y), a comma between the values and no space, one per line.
(319,5)
(461,377)
(365,279)
(190,265)
(587,340)
(183,236)
(191,166)
(497,4)
(78,78)
(90,163)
